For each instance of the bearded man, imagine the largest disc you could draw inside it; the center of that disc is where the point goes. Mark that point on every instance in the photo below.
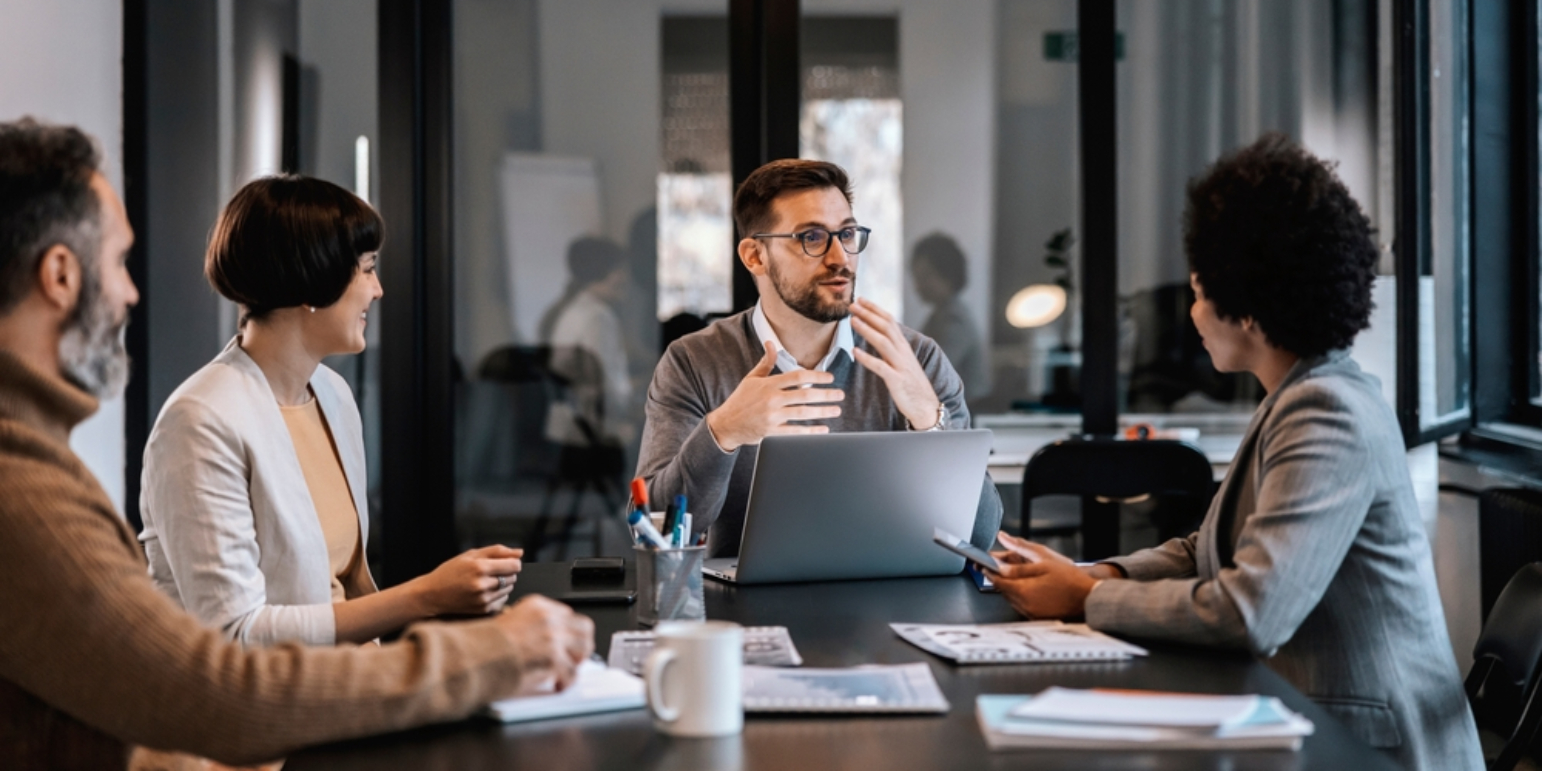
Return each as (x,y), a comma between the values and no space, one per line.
(809,358)
(93,657)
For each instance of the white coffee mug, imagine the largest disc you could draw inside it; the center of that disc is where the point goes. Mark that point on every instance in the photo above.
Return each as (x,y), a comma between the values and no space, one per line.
(695,678)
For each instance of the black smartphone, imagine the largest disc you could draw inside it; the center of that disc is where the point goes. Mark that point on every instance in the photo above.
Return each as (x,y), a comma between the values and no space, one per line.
(592,569)
(617,596)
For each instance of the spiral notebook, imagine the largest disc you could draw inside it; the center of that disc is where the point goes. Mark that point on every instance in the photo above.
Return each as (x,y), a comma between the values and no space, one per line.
(1015,643)
(875,689)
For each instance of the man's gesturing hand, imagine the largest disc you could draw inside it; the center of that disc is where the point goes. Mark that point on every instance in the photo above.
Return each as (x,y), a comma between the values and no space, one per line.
(896,363)
(551,641)
(763,404)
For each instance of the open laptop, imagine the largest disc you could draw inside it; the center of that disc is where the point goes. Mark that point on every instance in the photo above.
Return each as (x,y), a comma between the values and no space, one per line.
(857,505)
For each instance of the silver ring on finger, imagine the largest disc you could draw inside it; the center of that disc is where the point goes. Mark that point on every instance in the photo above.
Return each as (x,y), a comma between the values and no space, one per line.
(501,583)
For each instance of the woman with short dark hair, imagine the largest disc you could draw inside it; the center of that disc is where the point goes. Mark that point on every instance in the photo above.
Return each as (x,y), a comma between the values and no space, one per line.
(1313,555)
(254,477)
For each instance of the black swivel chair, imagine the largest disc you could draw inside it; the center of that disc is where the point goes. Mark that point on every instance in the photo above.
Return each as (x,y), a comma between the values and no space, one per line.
(1509,536)
(1505,666)
(587,462)
(1108,472)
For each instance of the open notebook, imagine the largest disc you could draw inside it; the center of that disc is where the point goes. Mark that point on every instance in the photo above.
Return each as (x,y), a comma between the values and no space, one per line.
(598,689)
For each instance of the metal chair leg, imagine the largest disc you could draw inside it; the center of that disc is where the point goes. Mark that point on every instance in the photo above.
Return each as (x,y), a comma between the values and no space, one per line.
(1525,733)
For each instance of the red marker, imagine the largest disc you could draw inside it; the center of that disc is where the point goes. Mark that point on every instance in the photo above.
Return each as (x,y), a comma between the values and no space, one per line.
(640,495)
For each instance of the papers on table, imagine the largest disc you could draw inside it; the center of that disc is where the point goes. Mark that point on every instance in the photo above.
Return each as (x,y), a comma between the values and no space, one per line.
(905,688)
(1027,641)
(598,689)
(1062,718)
(769,646)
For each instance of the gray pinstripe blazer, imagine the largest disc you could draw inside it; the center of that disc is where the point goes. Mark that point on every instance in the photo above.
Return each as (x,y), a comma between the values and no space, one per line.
(1327,576)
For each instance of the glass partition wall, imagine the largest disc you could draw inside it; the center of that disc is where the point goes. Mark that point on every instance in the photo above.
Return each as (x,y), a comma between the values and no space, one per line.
(592,222)
(592,154)
(1198,79)
(592,190)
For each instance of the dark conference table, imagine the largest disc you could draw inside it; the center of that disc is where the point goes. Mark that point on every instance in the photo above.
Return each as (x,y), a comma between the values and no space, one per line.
(838,624)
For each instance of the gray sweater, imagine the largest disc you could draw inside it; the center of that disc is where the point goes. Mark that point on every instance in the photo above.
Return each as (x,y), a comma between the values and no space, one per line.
(701,370)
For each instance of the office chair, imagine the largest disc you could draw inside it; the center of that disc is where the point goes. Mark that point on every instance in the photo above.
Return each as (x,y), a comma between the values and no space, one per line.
(1107,472)
(1505,660)
(585,461)
(1509,536)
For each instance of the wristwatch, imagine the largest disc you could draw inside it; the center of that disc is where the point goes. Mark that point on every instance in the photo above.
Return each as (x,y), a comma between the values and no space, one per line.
(942,418)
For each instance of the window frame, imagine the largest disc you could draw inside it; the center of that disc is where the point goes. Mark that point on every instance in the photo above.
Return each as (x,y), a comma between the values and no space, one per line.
(1413,240)
(1507,265)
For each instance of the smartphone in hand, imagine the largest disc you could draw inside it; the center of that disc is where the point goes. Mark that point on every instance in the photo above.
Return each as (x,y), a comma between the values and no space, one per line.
(965,549)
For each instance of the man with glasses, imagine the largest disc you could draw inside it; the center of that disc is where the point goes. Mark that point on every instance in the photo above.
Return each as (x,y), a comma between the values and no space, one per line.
(809,358)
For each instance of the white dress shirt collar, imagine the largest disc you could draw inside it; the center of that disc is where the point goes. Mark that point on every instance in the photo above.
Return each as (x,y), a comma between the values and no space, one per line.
(784,360)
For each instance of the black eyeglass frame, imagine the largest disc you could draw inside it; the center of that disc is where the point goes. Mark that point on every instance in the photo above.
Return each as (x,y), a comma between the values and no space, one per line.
(830,238)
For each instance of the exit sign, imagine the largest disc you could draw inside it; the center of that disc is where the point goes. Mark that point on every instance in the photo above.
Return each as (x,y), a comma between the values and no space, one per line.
(1062,46)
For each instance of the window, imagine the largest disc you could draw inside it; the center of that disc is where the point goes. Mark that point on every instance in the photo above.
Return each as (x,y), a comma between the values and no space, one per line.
(1444,293)
(695,188)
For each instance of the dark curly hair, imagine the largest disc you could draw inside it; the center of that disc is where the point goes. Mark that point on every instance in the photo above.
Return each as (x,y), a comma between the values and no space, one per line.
(1272,234)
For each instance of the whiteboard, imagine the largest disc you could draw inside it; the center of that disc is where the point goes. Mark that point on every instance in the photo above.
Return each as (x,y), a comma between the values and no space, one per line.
(547,202)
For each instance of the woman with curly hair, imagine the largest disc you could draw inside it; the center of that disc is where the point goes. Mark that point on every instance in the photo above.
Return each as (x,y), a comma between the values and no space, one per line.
(1313,555)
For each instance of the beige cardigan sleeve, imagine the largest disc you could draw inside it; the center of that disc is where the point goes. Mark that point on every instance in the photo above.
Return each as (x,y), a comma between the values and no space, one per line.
(87,632)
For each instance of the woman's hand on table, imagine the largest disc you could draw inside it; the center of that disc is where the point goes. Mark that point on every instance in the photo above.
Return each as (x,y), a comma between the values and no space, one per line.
(1041,583)
(475,582)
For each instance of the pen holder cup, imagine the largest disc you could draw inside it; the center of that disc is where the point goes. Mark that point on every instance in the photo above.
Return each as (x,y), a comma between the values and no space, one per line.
(669,584)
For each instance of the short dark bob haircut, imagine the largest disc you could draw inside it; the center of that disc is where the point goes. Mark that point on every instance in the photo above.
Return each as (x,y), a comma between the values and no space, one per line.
(287,241)
(1273,235)
(752,203)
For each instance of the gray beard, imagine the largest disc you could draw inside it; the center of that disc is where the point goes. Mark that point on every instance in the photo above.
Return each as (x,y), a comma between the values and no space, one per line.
(92,351)
(806,301)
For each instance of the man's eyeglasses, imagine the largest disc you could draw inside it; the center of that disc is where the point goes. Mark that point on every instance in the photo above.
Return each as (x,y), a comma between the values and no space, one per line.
(816,241)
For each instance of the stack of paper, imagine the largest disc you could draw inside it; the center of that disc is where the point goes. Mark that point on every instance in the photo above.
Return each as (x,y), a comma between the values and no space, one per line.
(1063,718)
(1026,641)
(597,689)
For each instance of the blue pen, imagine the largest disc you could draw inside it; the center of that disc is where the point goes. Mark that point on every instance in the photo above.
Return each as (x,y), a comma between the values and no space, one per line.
(645,530)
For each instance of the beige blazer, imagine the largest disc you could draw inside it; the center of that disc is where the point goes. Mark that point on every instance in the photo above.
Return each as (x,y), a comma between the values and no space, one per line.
(1314,558)
(230,529)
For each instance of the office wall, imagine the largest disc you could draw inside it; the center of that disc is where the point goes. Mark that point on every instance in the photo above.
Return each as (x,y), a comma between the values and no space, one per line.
(1200,78)
(337,46)
(183,187)
(80,83)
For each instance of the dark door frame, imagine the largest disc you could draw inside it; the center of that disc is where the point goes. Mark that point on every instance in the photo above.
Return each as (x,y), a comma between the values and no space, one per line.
(417,364)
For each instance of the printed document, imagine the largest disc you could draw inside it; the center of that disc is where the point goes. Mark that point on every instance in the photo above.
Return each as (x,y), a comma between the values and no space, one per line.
(1025,641)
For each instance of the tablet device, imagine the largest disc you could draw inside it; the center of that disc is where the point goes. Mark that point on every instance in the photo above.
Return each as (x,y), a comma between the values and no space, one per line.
(964,549)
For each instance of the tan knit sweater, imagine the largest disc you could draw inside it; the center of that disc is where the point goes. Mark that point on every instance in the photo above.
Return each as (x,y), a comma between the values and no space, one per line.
(93,658)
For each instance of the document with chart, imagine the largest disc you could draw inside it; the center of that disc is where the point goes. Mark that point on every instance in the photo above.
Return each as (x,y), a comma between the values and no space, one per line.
(1025,641)
(904,688)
